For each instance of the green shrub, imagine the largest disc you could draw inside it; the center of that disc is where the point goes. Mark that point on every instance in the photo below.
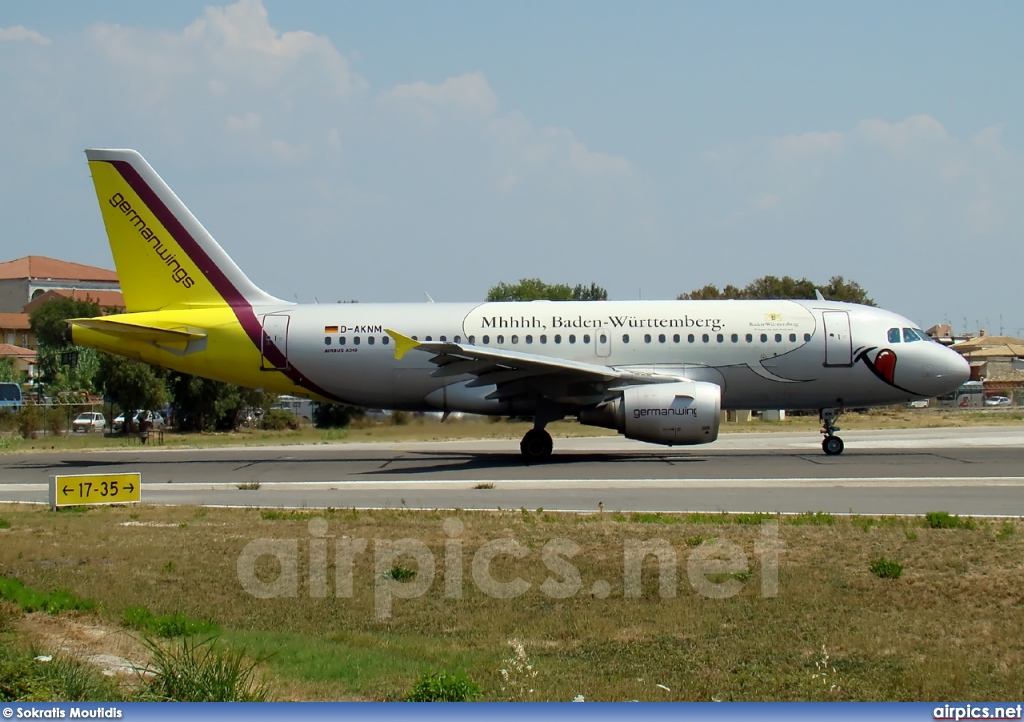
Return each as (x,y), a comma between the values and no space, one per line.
(29,421)
(401,574)
(4,524)
(192,670)
(443,687)
(1007,529)
(945,520)
(811,518)
(399,418)
(886,568)
(168,625)
(279,420)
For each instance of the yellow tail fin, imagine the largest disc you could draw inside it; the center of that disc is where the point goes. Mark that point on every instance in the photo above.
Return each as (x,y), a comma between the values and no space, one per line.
(164,256)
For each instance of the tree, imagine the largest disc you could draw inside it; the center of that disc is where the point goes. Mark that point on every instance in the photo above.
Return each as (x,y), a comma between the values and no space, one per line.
(48,322)
(767,287)
(204,405)
(132,385)
(9,371)
(335,416)
(534,289)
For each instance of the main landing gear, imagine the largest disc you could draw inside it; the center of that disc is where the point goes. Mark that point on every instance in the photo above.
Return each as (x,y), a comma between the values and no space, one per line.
(536,445)
(832,445)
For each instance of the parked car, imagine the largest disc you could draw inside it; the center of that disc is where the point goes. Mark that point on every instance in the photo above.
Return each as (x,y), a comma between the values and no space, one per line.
(89,421)
(997,401)
(918,404)
(156,417)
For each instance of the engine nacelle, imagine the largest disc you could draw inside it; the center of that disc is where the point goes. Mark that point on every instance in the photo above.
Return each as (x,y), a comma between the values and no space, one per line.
(675,414)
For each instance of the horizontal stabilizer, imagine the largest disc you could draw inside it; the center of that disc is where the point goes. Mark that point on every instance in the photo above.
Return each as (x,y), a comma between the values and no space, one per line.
(178,337)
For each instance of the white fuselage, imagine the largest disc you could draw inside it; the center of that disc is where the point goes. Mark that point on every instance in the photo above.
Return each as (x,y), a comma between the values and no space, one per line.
(763,354)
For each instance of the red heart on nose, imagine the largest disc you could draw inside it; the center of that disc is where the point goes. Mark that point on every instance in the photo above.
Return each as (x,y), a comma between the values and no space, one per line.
(885,363)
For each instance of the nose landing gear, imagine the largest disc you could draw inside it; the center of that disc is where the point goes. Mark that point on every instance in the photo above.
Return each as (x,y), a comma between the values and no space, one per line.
(832,445)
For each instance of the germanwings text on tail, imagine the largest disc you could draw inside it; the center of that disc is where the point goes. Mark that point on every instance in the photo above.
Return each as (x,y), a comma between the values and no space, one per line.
(656,371)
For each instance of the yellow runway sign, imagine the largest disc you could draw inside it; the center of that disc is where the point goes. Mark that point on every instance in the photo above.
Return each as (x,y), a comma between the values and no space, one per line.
(78,489)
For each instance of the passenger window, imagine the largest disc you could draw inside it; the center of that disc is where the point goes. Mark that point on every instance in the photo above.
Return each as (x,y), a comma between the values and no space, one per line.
(625,338)
(501,339)
(327,340)
(356,340)
(558,338)
(705,338)
(807,337)
(341,341)
(369,340)
(690,338)
(429,338)
(750,338)
(543,338)
(778,338)
(529,338)
(675,339)
(515,339)
(572,338)
(647,338)
(894,335)
(909,335)
(735,338)
(386,340)
(604,339)
(764,338)
(792,338)
(586,338)
(721,338)
(457,339)
(487,340)
(442,339)
(661,338)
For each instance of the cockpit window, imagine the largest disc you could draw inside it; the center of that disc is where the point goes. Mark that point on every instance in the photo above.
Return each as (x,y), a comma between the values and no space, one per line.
(923,336)
(909,335)
(894,335)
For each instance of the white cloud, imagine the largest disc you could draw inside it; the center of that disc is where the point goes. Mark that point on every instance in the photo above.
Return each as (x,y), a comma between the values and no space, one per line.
(914,130)
(20,32)
(271,135)
(468,92)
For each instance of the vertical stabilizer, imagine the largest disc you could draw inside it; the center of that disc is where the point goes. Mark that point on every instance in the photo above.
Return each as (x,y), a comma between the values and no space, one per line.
(164,256)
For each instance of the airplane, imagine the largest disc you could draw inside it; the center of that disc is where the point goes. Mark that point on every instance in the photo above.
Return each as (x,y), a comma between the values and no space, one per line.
(655,371)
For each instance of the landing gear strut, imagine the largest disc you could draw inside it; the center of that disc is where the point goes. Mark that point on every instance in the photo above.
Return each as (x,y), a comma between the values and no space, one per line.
(536,445)
(832,445)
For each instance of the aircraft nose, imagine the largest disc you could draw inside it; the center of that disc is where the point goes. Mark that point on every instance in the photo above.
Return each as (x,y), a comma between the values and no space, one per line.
(959,369)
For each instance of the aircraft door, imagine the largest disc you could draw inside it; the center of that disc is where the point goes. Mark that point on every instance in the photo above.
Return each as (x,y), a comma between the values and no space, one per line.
(275,342)
(838,341)
(603,342)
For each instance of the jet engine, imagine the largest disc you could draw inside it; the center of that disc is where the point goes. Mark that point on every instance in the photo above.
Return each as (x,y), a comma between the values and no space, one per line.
(678,413)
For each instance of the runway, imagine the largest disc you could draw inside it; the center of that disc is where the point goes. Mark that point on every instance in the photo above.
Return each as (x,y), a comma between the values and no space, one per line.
(975,471)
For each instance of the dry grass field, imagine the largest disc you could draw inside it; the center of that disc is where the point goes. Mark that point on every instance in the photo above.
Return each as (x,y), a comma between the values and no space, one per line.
(948,628)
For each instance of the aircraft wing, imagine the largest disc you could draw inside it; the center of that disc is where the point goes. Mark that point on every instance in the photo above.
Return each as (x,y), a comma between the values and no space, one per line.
(514,372)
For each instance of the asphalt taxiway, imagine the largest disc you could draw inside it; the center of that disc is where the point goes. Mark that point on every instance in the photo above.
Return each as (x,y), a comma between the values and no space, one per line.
(976,471)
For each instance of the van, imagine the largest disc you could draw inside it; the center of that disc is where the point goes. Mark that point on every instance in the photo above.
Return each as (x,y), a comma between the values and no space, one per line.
(10,396)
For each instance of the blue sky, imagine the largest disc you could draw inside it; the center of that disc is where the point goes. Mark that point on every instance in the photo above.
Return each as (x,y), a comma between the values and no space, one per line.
(373,151)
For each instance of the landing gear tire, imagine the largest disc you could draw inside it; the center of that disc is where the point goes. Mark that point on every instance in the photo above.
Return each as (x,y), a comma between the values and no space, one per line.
(832,445)
(536,445)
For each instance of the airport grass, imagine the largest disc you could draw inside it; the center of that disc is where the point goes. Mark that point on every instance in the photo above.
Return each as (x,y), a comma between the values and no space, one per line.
(431,429)
(948,628)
